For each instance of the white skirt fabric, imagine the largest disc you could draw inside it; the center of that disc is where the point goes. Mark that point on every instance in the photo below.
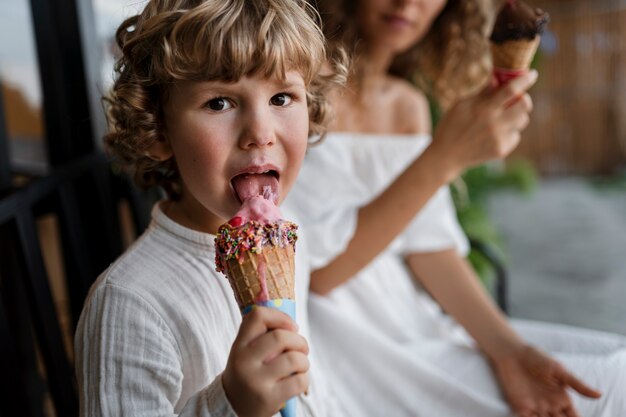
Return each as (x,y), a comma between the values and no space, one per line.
(386,346)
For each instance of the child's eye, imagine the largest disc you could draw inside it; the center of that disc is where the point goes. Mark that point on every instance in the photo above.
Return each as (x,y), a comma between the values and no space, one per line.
(219,104)
(281,99)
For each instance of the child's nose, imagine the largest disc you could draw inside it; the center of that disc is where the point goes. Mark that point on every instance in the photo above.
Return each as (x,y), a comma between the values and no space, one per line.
(258,130)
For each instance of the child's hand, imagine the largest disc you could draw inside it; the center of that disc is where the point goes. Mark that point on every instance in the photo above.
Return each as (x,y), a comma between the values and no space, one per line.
(485,126)
(267,364)
(536,385)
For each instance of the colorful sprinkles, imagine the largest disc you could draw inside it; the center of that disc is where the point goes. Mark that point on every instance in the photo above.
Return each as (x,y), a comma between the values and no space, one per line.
(231,242)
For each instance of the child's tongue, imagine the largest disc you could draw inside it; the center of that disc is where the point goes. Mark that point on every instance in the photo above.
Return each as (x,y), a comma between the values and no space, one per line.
(258,195)
(250,185)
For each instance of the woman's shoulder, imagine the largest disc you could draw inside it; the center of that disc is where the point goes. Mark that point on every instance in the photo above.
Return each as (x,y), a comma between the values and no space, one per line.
(410,106)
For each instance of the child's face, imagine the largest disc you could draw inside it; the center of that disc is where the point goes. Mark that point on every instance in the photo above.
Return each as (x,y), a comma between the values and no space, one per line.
(218,131)
(396,25)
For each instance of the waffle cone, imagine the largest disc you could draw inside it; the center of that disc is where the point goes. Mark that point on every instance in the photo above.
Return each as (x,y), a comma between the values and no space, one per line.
(514,54)
(245,275)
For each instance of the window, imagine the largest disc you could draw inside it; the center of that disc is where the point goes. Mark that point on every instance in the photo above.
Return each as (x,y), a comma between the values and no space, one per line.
(21,89)
(109,14)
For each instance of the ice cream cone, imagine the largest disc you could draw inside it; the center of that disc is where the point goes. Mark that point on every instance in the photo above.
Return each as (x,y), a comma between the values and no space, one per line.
(256,251)
(264,276)
(514,54)
(512,58)
(515,38)
(265,279)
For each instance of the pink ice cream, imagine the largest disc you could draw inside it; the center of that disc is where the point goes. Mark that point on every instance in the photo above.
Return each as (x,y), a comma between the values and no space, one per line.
(261,208)
(257,225)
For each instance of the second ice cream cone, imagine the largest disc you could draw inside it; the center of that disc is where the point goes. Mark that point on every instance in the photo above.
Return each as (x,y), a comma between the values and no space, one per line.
(515,38)
(514,54)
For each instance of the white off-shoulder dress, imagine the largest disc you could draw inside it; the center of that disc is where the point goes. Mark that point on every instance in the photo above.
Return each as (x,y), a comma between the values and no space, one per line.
(387,347)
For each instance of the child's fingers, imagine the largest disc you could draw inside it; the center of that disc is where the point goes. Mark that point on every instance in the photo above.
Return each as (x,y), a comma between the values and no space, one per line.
(259,321)
(292,385)
(271,344)
(513,89)
(287,364)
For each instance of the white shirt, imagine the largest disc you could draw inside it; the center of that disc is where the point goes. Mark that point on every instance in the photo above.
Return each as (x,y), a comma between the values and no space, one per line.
(158,325)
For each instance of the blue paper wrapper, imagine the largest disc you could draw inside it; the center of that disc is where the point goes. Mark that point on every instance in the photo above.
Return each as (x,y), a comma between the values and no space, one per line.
(287,306)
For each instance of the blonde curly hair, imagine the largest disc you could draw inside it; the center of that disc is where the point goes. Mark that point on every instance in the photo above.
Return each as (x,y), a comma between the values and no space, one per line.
(449,62)
(204,40)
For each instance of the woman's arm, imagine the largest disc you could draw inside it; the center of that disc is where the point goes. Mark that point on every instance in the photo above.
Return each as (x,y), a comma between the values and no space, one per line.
(477,129)
(382,220)
(453,284)
(531,381)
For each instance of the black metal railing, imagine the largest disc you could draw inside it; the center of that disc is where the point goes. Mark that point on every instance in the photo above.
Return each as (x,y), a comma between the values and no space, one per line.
(80,192)
(90,241)
(32,319)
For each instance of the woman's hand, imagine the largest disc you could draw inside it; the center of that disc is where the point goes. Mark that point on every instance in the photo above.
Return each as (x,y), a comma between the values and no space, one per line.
(535,385)
(267,364)
(485,126)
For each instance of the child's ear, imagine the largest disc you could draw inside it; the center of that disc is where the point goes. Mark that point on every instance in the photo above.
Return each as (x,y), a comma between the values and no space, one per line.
(160,150)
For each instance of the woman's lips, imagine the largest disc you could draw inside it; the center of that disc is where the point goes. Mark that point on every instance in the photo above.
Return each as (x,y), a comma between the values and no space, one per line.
(397,22)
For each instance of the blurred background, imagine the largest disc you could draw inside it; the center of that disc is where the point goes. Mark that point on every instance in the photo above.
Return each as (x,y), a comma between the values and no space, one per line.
(554,213)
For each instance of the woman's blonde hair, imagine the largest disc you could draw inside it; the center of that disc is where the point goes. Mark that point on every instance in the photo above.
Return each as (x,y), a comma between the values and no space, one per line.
(204,40)
(450,61)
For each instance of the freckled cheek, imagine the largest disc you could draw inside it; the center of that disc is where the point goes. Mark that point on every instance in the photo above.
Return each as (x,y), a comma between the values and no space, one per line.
(297,136)
(198,156)
(295,148)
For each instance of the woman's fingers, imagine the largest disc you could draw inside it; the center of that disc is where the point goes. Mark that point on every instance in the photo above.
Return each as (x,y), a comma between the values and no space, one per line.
(485,126)
(523,104)
(517,116)
(526,412)
(578,385)
(571,412)
(559,405)
(510,92)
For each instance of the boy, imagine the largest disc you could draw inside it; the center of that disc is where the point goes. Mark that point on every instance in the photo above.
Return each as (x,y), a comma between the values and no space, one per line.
(207,91)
